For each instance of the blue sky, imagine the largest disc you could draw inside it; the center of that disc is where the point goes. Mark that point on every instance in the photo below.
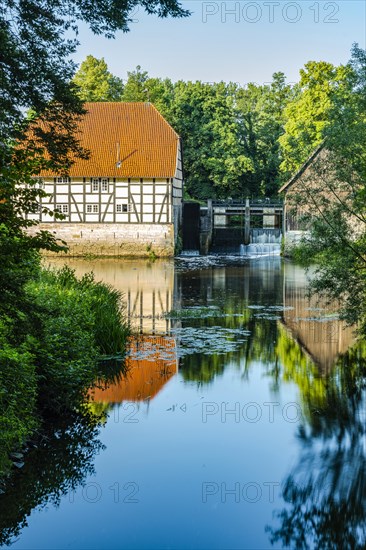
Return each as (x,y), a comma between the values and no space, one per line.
(240,41)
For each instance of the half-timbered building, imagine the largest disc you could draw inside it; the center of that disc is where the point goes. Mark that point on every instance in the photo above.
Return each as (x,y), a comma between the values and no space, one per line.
(126,198)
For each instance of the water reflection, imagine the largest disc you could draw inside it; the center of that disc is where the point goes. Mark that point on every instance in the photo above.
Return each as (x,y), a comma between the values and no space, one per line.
(230,328)
(152,361)
(310,321)
(326,491)
(231,313)
(58,462)
(148,287)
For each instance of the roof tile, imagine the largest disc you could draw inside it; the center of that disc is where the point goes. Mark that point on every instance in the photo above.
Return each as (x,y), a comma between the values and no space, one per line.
(134,135)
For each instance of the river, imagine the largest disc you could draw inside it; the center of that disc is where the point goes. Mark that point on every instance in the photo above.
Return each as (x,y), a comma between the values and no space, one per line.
(240,422)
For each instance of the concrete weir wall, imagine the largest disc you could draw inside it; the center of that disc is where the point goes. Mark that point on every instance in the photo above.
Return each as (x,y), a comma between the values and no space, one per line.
(115,240)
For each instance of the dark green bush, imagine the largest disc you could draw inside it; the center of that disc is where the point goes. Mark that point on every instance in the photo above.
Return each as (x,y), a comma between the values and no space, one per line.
(79,321)
(17,395)
(51,349)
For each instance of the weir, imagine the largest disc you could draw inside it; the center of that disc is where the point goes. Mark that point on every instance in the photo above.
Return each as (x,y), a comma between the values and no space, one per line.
(246,228)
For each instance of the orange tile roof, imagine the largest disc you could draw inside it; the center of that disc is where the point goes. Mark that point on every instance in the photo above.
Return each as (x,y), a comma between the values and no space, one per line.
(134,133)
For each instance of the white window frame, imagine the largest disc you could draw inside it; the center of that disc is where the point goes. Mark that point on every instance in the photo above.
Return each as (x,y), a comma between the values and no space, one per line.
(95,185)
(62,208)
(104,185)
(62,179)
(92,208)
(123,208)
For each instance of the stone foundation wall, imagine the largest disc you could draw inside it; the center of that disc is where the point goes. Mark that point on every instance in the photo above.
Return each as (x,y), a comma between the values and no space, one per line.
(101,239)
(292,239)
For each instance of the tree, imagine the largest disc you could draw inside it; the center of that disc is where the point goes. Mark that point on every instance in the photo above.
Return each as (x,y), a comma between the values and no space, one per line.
(204,116)
(337,240)
(141,87)
(39,108)
(261,115)
(96,83)
(308,116)
(35,48)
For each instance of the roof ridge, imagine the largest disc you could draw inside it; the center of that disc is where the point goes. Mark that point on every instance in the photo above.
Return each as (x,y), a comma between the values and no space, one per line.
(165,120)
(302,168)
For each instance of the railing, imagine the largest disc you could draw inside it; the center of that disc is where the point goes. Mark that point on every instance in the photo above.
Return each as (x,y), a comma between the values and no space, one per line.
(254,203)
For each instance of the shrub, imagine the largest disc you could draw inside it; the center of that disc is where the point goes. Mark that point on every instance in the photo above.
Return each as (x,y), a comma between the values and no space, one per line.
(17,395)
(78,320)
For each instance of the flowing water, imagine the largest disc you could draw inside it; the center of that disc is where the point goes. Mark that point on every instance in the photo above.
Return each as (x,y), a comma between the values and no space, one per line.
(240,422)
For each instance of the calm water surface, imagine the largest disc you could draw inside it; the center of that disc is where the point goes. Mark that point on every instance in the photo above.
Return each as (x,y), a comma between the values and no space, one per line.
(240,422)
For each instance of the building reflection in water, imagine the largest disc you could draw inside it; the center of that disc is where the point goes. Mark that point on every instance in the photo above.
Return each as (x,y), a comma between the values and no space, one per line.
(153,289)
(151,363)
(148,289)
(321,335)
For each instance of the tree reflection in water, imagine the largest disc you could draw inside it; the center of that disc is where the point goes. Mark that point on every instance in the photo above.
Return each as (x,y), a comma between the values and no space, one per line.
(57,464)
(326,491)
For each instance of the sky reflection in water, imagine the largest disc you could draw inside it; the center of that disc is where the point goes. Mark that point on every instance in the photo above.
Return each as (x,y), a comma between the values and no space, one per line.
(240,422)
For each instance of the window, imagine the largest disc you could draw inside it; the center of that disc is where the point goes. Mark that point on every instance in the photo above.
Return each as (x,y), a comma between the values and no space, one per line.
(95,184)
(95,208)
(62,179)
(62,208)
(39,182)
(122,208)
(92,208)
(105,185)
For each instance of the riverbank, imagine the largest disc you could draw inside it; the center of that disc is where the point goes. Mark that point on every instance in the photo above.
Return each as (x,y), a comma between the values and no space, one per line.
(50,351)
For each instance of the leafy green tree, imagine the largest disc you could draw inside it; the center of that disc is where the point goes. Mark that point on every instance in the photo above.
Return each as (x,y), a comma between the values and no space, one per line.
(39,108)
(135,88)
(96,83)
(36,45)
(308,116)
(141,87)
(205,118)
(261,115)
(337,240)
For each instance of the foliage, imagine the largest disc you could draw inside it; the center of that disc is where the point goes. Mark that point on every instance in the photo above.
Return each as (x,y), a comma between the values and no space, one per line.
(77,322)
(37,38)
(141,87)
(51,335)
(334,199)
(58,462)
(230,134)
(96,83)
(17,393)
(50,350)
(307,116)
(204,116)
(261,114)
